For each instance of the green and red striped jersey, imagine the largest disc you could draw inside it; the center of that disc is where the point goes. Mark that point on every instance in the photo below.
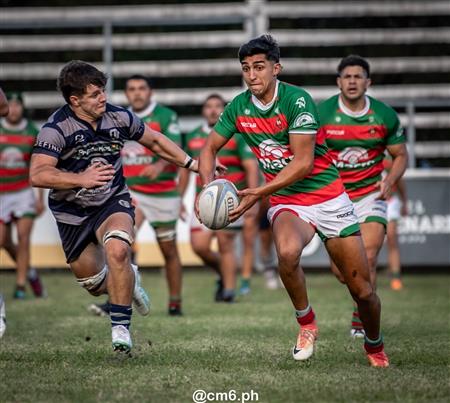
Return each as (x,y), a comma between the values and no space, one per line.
(266,129)
(16,144)
(357,141)
(136,157)
(231,155)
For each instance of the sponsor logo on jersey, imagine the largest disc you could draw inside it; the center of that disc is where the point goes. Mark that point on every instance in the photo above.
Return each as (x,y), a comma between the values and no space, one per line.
(304,119)
(250,125)
(124,203)
(48,146)
(353,157)
(79,138)
(114,133)
(335,132)
(86,151)
(274,155)
(301,103)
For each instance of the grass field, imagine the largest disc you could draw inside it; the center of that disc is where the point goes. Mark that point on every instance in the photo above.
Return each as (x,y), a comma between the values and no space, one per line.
(54,351)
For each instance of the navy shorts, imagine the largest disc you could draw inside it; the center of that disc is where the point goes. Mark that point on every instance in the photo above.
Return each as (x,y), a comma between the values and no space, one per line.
(75,238)
(264,222)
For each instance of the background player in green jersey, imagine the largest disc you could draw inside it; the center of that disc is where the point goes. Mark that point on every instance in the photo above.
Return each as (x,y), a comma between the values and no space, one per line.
(4,109)
(19,205)
(242,170)
(279,122)
(153,184)
(358,130)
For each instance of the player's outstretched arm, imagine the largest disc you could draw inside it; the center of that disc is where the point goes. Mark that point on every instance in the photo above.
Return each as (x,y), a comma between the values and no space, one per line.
(44,174)
(207,158)
(167,149)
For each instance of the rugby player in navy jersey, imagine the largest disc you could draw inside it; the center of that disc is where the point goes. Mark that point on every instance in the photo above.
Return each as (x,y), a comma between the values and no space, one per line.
(77,156)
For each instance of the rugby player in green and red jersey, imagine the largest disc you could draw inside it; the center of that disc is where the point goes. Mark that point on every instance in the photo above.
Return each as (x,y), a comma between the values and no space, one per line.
(279,122)
(19,205)
(358,129)
(242,170)
(153,181)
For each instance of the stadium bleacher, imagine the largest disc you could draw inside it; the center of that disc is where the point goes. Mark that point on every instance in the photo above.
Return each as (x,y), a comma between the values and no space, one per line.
(407,43)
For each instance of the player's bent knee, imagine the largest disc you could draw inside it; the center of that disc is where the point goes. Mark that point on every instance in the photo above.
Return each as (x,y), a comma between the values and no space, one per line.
(289,256)
(365,294)
(117,253)
(94,284)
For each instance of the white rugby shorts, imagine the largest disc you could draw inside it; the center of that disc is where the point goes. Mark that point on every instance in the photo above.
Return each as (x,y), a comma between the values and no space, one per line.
(370,209)
(17,205)
(331,219)
(158,211)
(394,207)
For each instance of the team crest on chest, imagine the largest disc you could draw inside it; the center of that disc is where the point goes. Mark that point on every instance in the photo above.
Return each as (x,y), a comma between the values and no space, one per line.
(114,133)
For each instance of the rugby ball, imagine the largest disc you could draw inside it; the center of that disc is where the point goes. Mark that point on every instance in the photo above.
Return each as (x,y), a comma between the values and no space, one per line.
(215,203)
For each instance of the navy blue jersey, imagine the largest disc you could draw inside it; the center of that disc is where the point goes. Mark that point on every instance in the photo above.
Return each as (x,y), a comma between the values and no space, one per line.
(76,145)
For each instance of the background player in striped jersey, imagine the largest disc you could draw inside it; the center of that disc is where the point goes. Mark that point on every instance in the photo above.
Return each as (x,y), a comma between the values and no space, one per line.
(77,155)
(242,170)
(153,184)
(19,206)
(358,130)
(279,122)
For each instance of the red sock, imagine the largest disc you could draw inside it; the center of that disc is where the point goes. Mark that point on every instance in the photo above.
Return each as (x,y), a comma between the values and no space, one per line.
(307,319)
(374,346)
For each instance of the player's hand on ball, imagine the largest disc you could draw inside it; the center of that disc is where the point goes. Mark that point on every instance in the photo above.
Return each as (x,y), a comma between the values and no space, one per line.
(220,170)
(97,174)
(248,198)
